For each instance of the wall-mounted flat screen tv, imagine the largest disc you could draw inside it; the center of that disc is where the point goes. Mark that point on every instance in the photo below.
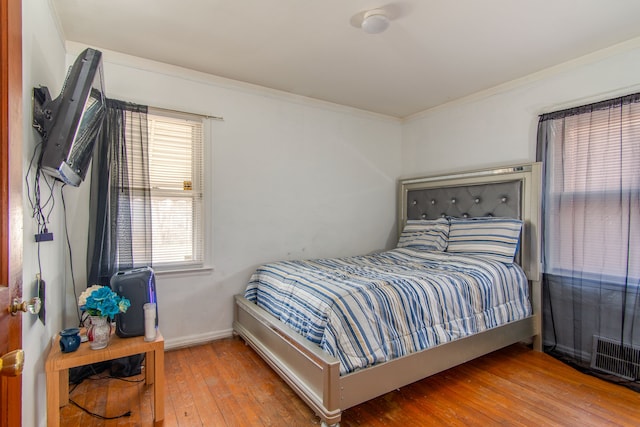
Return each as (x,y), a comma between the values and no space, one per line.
(70,123)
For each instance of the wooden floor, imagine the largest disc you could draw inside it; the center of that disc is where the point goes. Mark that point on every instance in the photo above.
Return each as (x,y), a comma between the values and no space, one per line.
(225,383)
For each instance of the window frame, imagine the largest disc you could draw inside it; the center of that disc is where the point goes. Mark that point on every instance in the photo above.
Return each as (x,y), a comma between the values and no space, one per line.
(205,194)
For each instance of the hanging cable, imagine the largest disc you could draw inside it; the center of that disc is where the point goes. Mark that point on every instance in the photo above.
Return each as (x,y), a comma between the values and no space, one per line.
(66,233)
(40,209)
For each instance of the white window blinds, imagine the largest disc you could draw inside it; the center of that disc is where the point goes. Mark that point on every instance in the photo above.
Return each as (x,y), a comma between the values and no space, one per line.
(176,182)
(592,204)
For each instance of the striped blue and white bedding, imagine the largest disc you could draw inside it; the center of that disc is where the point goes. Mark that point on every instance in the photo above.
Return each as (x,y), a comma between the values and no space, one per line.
(370,309)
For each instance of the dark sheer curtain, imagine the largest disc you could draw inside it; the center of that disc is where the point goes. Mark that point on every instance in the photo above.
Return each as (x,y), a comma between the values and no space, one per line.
(591,217)
(120,204)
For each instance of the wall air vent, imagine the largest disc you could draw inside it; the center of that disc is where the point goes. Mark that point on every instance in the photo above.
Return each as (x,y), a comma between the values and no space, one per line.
(615,358)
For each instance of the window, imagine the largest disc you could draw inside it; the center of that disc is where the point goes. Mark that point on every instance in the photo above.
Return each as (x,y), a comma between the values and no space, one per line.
(592,206)
(175,156)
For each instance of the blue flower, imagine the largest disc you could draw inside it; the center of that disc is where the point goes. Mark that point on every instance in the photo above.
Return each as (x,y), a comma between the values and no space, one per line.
(124,304)
(102,301)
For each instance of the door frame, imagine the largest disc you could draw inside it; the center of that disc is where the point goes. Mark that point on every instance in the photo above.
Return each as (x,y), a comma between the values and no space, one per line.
(11,220)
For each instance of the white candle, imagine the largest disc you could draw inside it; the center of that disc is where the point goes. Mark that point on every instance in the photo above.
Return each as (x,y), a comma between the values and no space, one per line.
(149,321)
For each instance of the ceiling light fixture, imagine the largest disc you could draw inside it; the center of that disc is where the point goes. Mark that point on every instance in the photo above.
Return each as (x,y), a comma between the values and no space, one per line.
(375,21)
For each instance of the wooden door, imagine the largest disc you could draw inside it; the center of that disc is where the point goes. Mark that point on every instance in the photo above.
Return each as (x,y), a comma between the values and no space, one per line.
(10,200)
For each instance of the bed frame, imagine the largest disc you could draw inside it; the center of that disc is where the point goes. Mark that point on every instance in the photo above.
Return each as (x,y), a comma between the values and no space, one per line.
(314,375)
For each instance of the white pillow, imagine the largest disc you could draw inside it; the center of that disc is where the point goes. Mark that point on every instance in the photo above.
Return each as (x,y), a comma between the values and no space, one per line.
(493,238)
(426,235)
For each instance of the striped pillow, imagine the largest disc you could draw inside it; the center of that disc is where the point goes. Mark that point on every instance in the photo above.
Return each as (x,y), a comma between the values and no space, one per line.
(426,235)
(494,238)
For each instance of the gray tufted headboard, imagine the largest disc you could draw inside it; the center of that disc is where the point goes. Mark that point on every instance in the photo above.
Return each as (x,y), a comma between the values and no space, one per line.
(500,199)
(512,192)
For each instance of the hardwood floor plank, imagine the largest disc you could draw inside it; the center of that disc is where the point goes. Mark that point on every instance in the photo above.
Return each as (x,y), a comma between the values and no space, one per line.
(69,412)
(281,403)
(197,413)
(579,397)
(238,390)
(239,410)
(473,411)
(145,396)
(225,383)
(517,405)
(181,389)
(125,390)
(202,378)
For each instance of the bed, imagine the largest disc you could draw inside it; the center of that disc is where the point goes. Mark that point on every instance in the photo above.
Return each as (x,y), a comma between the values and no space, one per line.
(314,362)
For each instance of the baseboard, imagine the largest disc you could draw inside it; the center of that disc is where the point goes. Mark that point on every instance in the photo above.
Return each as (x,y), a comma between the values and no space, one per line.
(566,350)
(191,340)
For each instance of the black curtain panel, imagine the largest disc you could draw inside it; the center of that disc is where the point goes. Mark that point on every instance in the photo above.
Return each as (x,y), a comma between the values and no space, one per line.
(591,221)
(120,204)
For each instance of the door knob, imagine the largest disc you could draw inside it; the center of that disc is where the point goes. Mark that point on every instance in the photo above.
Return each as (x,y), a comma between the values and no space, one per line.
(32,306)
(11,364)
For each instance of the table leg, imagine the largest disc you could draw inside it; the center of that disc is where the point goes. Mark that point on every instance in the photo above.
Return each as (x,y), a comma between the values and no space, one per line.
(53,398)
(64,387)
(149,367)
(158,388)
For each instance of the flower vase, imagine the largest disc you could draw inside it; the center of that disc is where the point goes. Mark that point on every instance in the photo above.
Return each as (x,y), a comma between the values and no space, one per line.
(99,332)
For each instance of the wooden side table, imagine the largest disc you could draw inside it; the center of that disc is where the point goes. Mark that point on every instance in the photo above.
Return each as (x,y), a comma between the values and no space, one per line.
(58,364)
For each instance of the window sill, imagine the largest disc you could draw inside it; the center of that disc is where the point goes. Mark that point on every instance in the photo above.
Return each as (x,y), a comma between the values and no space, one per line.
(594,281)
(188,271)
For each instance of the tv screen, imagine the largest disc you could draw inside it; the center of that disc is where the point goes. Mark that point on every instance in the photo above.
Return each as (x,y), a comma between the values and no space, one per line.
(70,124)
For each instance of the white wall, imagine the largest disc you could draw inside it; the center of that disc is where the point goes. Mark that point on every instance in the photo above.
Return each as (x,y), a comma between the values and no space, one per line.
(290,178)
(498,126)
(43,64)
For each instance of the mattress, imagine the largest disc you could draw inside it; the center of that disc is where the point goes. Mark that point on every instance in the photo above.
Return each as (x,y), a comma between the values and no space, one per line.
(366,310)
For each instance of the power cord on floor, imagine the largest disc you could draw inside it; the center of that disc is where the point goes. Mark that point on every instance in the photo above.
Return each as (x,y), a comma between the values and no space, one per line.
(93,414)
(111,377)
(102,417)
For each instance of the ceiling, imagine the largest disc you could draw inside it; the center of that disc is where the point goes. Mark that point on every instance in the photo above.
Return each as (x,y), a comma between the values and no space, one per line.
(433,52)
